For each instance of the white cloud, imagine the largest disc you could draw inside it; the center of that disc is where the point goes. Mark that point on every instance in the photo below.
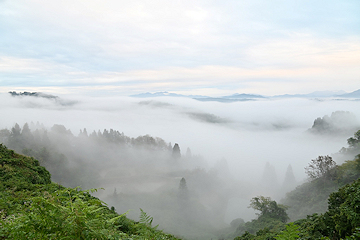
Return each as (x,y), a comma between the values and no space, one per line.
(174,45)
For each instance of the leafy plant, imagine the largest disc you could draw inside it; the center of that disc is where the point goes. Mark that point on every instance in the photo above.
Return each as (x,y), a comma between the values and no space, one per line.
(269,208)
(31,207)
(291,232)
(146,219)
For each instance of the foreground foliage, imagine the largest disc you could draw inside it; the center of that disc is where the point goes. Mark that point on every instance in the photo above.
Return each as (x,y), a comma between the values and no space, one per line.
(31,207)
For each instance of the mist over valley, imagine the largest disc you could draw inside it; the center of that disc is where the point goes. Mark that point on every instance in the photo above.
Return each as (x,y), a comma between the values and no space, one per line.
(140,150)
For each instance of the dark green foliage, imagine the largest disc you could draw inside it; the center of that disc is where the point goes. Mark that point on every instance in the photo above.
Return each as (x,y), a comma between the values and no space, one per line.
(341,221)
(357,162)
(271,220)
(312,197)
(245,236)
(19,171)
(261,226)
(269,208)
(348,172)
(291,233)
(64,213)
(344,209)
(262,234)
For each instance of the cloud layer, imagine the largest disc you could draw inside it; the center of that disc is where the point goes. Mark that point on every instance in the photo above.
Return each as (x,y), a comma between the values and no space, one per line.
(123,47)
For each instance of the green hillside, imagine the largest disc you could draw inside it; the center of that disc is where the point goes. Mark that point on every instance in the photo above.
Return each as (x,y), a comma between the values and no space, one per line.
(326,207)
(32,207)
(341,219)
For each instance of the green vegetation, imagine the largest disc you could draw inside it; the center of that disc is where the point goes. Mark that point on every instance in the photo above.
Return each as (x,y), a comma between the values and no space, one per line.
(272,219)
(327,207)
(32,207)
(269,208)
(321,167)
(136,167)
(340,221)
(326,177)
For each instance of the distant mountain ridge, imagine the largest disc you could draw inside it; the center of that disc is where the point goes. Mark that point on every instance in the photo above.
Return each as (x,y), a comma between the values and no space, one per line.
(316,94)
(243,96)
(54,98)
(354,94)
(32,94)
(248,97)
(165,94)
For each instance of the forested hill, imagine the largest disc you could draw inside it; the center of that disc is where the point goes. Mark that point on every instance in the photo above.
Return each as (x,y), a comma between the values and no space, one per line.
(326,207)
(79,160)
(326,177)
(32,207)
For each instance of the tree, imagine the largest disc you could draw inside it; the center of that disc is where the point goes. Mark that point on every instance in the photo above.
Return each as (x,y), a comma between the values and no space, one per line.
(60,129)
(176,151)
(27,137)
(289,181)
(15,141)
(269,208)
(183,194)
(4,135)
(83,133)
(26,129)
(343,210)
(182,185)
(16,130)
(354,142)
(322,166)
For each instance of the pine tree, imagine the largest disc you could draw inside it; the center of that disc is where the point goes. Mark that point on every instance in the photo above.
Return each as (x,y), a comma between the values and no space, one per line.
(289,181)
(182,185)
(176,151)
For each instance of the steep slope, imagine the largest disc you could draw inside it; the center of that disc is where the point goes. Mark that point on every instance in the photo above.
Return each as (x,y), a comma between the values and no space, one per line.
(32,207)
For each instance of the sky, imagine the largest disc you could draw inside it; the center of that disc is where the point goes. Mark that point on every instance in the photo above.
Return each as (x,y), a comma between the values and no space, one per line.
(213,48)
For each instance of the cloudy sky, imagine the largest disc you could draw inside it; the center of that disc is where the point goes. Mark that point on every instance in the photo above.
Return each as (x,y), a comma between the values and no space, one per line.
(207,47)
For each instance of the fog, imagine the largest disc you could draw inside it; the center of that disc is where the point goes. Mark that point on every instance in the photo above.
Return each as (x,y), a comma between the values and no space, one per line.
(232,145)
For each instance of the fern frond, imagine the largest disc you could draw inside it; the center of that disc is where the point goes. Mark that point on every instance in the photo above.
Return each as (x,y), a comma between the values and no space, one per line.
(145,218)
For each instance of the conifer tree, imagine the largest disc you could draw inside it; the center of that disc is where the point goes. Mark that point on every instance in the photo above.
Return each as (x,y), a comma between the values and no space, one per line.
(289,181)
(182,185)
(176,151)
